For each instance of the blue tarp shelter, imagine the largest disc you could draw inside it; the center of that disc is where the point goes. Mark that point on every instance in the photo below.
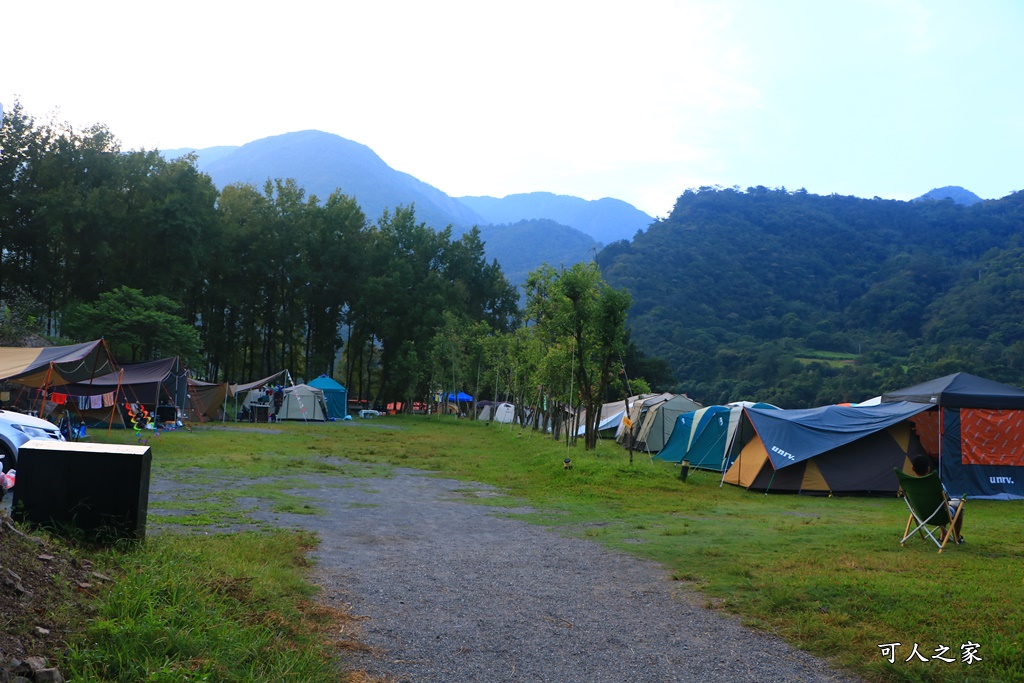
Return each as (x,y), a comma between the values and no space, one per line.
(335,396)
(461,397)
(826,450)
(978,433)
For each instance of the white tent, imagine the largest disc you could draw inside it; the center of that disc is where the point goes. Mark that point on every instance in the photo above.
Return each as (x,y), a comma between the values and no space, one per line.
(504,413)
(303,402)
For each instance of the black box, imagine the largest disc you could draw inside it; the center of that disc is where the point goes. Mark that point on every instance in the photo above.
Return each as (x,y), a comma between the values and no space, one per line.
(93,487)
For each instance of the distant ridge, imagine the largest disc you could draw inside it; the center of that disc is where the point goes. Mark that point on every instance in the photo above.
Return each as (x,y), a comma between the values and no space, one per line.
(521,231)
(606,220)
(323,162)
(958,194)
(527,245)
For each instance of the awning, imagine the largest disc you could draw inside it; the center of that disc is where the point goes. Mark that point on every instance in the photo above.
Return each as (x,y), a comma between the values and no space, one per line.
(56,365)
(792,436)
(235,389)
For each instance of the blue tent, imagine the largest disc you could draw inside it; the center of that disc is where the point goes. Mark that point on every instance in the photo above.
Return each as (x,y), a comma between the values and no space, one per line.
(461,397)
(981,451)
(709,438)
(335,396)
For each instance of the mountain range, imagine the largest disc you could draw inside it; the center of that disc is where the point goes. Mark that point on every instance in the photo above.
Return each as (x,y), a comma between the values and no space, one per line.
(559,230)
(800,300)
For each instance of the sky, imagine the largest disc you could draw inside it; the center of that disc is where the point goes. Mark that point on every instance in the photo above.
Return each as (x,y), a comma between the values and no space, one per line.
(638,101)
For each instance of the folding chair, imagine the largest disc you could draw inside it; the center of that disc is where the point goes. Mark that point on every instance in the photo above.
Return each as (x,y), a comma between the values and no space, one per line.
(929,508)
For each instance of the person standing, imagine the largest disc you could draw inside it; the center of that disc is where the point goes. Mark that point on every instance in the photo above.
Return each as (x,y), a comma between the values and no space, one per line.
(278,401)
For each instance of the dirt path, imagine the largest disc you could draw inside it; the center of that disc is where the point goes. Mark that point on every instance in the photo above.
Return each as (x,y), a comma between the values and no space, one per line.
(453,591)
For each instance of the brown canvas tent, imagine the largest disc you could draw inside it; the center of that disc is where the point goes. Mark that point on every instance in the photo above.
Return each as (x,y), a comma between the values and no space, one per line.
(206,400)
(160,386)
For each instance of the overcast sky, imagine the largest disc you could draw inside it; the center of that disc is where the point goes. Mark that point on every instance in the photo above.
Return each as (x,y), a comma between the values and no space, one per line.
(637,101)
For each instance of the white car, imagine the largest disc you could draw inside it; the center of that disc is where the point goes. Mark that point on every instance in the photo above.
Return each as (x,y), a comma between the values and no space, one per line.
(16,429)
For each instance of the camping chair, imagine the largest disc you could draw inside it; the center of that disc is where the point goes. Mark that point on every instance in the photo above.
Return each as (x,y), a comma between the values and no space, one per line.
(929,508)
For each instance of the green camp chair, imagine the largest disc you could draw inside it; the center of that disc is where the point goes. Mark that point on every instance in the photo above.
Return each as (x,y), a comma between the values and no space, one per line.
(929,508)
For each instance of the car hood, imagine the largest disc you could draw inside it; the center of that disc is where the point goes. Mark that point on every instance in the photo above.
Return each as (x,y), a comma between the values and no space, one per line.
(28,420)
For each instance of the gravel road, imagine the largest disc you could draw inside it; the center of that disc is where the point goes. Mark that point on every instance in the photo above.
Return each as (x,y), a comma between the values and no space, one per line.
(454,591)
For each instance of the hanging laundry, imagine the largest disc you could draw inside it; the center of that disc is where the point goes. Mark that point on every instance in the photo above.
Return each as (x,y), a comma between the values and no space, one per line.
(59,399)
(108,399)
(96,401)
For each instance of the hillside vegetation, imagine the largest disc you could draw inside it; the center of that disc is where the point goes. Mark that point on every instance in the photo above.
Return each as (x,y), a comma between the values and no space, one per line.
(527,245)
(744,292)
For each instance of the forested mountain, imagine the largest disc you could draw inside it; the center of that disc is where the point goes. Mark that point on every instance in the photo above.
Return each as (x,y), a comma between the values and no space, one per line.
(322,162)
(606,220)
(801,299)
(527,245)
(954,192)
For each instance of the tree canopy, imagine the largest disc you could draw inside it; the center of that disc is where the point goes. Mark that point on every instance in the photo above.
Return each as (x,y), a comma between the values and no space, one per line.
(803,300)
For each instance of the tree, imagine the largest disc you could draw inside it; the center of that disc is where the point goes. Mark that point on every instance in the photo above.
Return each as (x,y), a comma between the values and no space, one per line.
(137,327)
(587,318)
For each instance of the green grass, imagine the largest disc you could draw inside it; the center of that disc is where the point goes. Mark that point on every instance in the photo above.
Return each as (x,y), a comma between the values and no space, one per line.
(827,574)
(832,359)
(222,608)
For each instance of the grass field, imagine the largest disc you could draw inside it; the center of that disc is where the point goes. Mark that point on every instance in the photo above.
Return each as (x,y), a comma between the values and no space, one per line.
(827,574)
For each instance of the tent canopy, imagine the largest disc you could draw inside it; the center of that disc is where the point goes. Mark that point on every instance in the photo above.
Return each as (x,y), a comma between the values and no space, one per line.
(154,382)
(961,390)
(827,450)
(980,427)
(461,397)
(236,389)
(792,436)
(56,365)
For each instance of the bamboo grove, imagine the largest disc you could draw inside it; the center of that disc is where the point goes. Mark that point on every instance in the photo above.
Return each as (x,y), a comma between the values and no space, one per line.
(97,241)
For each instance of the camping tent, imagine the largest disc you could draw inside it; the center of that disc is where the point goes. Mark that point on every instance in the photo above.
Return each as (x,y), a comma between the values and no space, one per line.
(832,449)
(659,421)
(710,438)
(976,431)
(303,402)
(335,396)
(160,386)
(249,392)
(503,413)
(638,410)
(611,418)
(206,400)
(56,365)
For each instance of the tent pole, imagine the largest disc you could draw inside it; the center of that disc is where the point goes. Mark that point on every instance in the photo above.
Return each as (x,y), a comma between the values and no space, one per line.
(46,382)
(728,447)
(117,393)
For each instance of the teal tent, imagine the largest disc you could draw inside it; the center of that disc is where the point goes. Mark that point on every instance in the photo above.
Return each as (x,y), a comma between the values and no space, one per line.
(335,396)
(709,438)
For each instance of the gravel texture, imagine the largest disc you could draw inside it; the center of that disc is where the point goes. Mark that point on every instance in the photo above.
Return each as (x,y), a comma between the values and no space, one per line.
(454,590)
